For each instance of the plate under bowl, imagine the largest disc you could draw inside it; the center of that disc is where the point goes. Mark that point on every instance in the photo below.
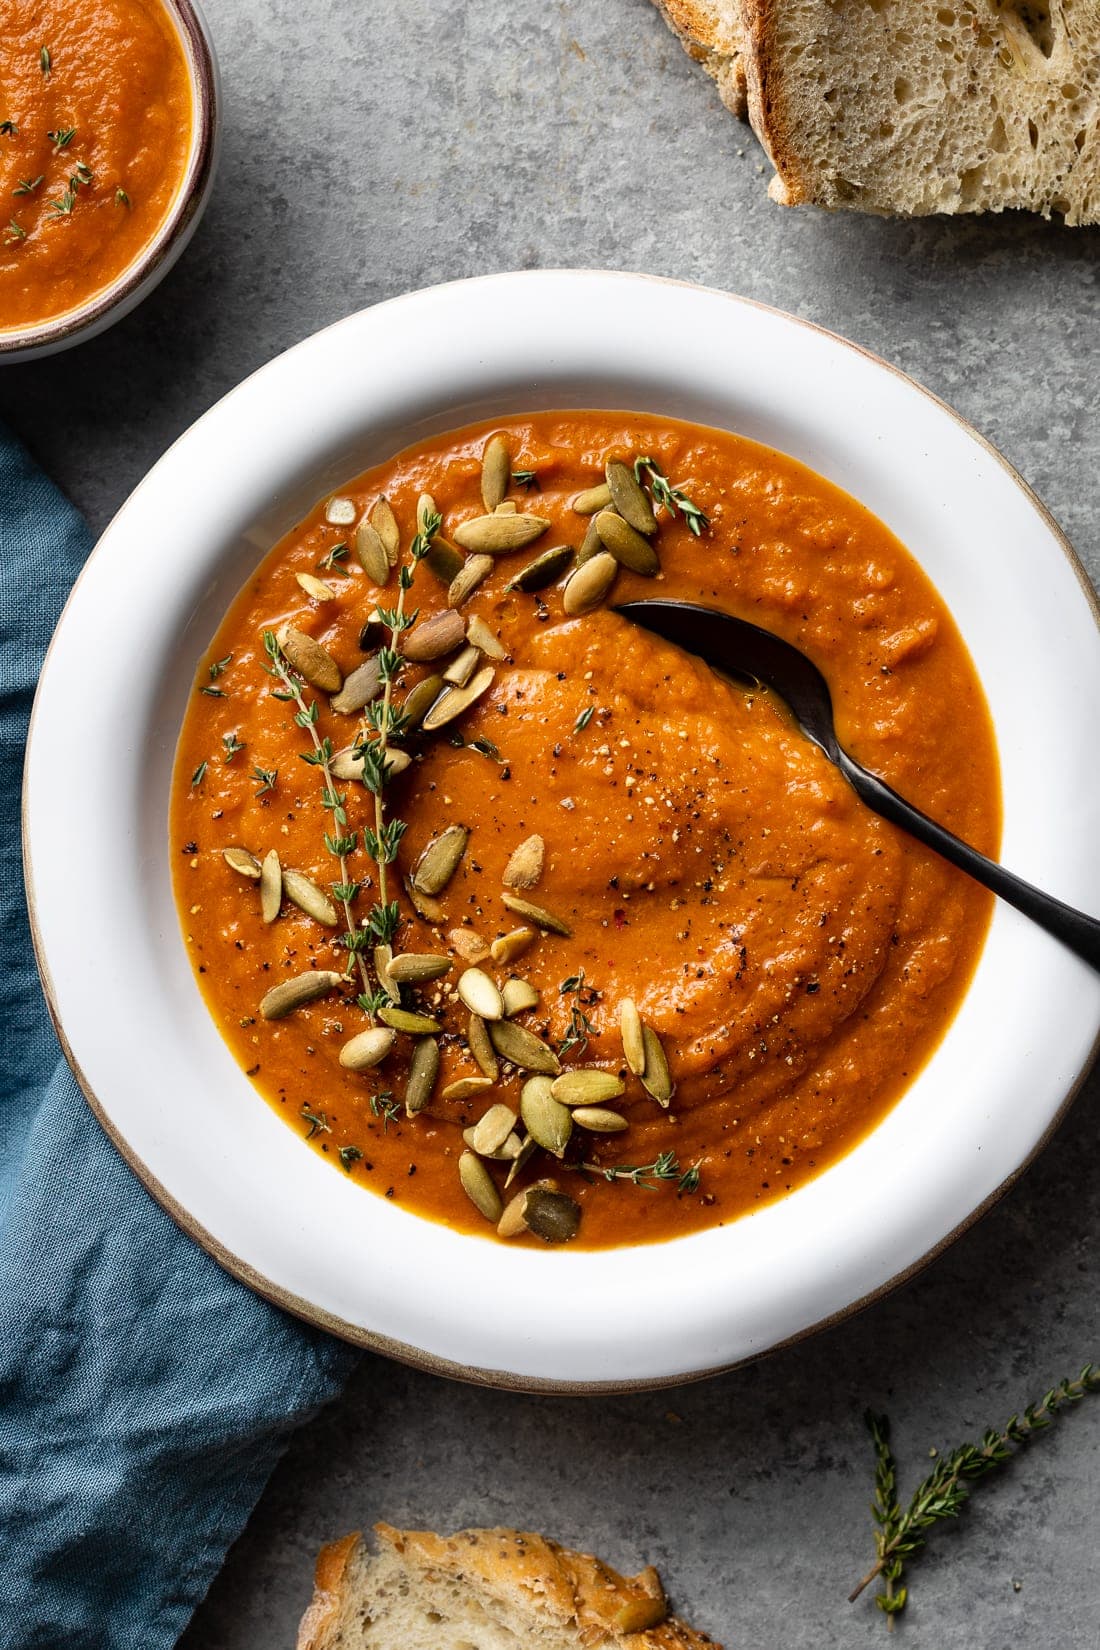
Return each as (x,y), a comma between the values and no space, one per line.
(117,975)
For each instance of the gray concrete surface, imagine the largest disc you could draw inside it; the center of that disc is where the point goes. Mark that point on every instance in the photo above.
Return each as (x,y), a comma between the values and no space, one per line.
(370,149)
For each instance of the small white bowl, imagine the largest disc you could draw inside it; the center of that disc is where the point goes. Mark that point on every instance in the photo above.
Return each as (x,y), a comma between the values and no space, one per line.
(157,257)
(99,763)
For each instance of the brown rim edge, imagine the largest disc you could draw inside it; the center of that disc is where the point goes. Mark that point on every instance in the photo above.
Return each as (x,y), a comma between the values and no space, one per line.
(203,74)
(413,1356)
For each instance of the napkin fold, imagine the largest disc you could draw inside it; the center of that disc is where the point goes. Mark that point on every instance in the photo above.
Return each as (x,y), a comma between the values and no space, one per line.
(145,1395)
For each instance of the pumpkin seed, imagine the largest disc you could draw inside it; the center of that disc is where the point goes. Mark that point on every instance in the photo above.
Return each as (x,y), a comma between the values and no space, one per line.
(403,1019)
(340,512)
(508,508)
(598,1121)
(492,1130)
(586,1086)
(510,946)
(424,905)
(444,560)
(505,1153)
(433,637)
(496,471)
(303,892)
(348,763)
(515,1043)
(588,584)
(425,507)
(592,499)
(478,632)
(526,1152)
(543,570)
(480,994)
(271,886)
(423,1071)
(629,497)
(303,988)
(384,522)
(626,544)
(463,1088)
(656,1078)
(459,671)
(591,544)
(411,967)
(439,861)
(470,946)
(467,579)
(372,553)
(495,535)
(518,996)
(512,1221)
(537,914)
(383,956)
(454,700)
(630,1029)
(552,1216)
(524,867)
(479,1187)
(477,1040)
(547,1121)
(420,699)
(373,633)
(368,1049)
(359,688)
(310,659)
(241,861)
(316,589)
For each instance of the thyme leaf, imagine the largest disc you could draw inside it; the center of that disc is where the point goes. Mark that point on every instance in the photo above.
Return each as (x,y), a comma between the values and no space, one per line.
(673,499)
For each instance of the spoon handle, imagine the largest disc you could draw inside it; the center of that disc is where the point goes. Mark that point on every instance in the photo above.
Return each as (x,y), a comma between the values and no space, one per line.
(1079,932)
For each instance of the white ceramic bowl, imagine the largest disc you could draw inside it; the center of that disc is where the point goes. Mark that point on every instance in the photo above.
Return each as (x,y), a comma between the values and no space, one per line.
(109,944)
(158,256)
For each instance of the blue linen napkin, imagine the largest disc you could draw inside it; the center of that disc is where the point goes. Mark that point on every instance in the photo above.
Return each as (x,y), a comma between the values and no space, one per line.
(145,1395)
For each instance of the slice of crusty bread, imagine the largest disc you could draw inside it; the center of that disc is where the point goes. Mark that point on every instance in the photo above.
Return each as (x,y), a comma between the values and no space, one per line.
(710,32)
(482,1590)
(919,106)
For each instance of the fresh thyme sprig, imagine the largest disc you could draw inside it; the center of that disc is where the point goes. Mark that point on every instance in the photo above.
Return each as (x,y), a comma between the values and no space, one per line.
(946,1490)
(15,232)
(45,61)
(321,757)
(318,1122)
(27,186)
(671,498)
(265,778)
(61,138)
(8,128)
(526,479)
(62,207)
(385,722)
(665,1167)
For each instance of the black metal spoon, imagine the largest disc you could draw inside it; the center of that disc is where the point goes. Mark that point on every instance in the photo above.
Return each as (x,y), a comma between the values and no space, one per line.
(737,648)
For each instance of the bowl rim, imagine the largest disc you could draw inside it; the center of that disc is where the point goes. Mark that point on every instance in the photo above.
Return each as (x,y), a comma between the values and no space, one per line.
(157,256)
(408,1353)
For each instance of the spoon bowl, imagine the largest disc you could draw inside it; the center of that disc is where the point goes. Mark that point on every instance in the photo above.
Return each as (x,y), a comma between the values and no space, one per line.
(737,648)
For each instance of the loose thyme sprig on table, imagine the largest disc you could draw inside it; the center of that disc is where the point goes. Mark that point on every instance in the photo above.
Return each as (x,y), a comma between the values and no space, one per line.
(946,1490)
(673,499)
(340,846)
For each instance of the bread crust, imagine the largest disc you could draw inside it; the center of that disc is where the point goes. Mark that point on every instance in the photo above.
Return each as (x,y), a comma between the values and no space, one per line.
(759,59)
(518,1569)
(710,33)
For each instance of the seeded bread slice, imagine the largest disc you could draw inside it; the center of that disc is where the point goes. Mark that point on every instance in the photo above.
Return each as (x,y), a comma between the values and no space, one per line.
(483,1590)
(710,32)
(913,106)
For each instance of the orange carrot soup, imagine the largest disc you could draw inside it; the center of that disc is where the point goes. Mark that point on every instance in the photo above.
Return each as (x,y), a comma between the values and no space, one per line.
(526,919)
(95,134)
